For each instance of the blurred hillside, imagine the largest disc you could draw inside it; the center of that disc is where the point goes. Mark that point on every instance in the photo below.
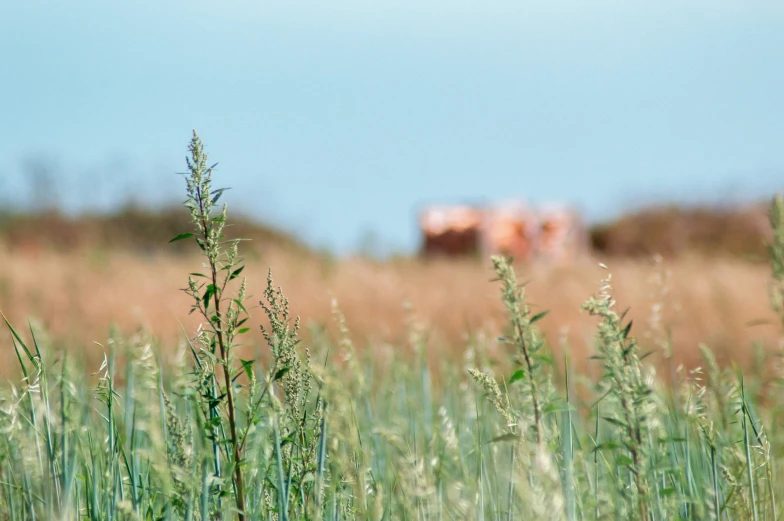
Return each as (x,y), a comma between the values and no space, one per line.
(673,231)
(133,230)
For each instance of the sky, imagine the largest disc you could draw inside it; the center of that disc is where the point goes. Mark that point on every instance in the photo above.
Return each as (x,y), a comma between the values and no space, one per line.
(338,120)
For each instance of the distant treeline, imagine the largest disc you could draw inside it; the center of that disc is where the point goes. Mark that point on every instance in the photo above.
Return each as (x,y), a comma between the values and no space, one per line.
(668,231)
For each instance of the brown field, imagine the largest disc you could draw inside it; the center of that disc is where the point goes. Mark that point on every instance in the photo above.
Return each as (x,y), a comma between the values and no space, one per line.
(721,302)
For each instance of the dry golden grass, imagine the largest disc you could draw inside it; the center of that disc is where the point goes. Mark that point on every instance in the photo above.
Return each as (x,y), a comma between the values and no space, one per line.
(78,295)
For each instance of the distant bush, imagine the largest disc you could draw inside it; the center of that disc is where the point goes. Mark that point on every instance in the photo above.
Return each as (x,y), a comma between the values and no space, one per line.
(673,231)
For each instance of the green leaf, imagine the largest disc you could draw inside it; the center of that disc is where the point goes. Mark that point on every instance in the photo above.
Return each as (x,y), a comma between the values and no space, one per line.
(208,294)
(667,440)
(614,421)
(608,445)
(538,317)
(218,193)
(236,272)
(248,366)
(182,236)
(518,375)
(627,329)
(211,356)
(281,373)
(241,306)
(243,330)
(547,359)
(21,342)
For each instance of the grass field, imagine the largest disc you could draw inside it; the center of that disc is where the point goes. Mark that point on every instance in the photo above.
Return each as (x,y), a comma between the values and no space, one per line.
(721,302)
(408,390)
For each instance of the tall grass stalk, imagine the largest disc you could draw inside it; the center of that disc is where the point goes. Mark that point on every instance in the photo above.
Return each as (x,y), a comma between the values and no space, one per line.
(222,267)
(626,383)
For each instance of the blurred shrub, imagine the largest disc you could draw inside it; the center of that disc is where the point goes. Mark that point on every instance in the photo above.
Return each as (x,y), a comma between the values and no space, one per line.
(673,231)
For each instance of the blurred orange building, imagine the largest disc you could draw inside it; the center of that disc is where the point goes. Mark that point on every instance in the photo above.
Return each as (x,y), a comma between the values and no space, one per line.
(511,229)
(562,234)
(554,233)
(450,230)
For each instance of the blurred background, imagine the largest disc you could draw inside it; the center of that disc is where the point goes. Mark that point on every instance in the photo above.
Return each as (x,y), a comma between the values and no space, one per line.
(347,129)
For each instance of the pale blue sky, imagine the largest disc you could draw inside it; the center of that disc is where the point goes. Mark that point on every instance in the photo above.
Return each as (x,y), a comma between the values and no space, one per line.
(334,118)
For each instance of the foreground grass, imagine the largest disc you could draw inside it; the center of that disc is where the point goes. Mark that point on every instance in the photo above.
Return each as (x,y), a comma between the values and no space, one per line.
(387,445)
(321,431)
